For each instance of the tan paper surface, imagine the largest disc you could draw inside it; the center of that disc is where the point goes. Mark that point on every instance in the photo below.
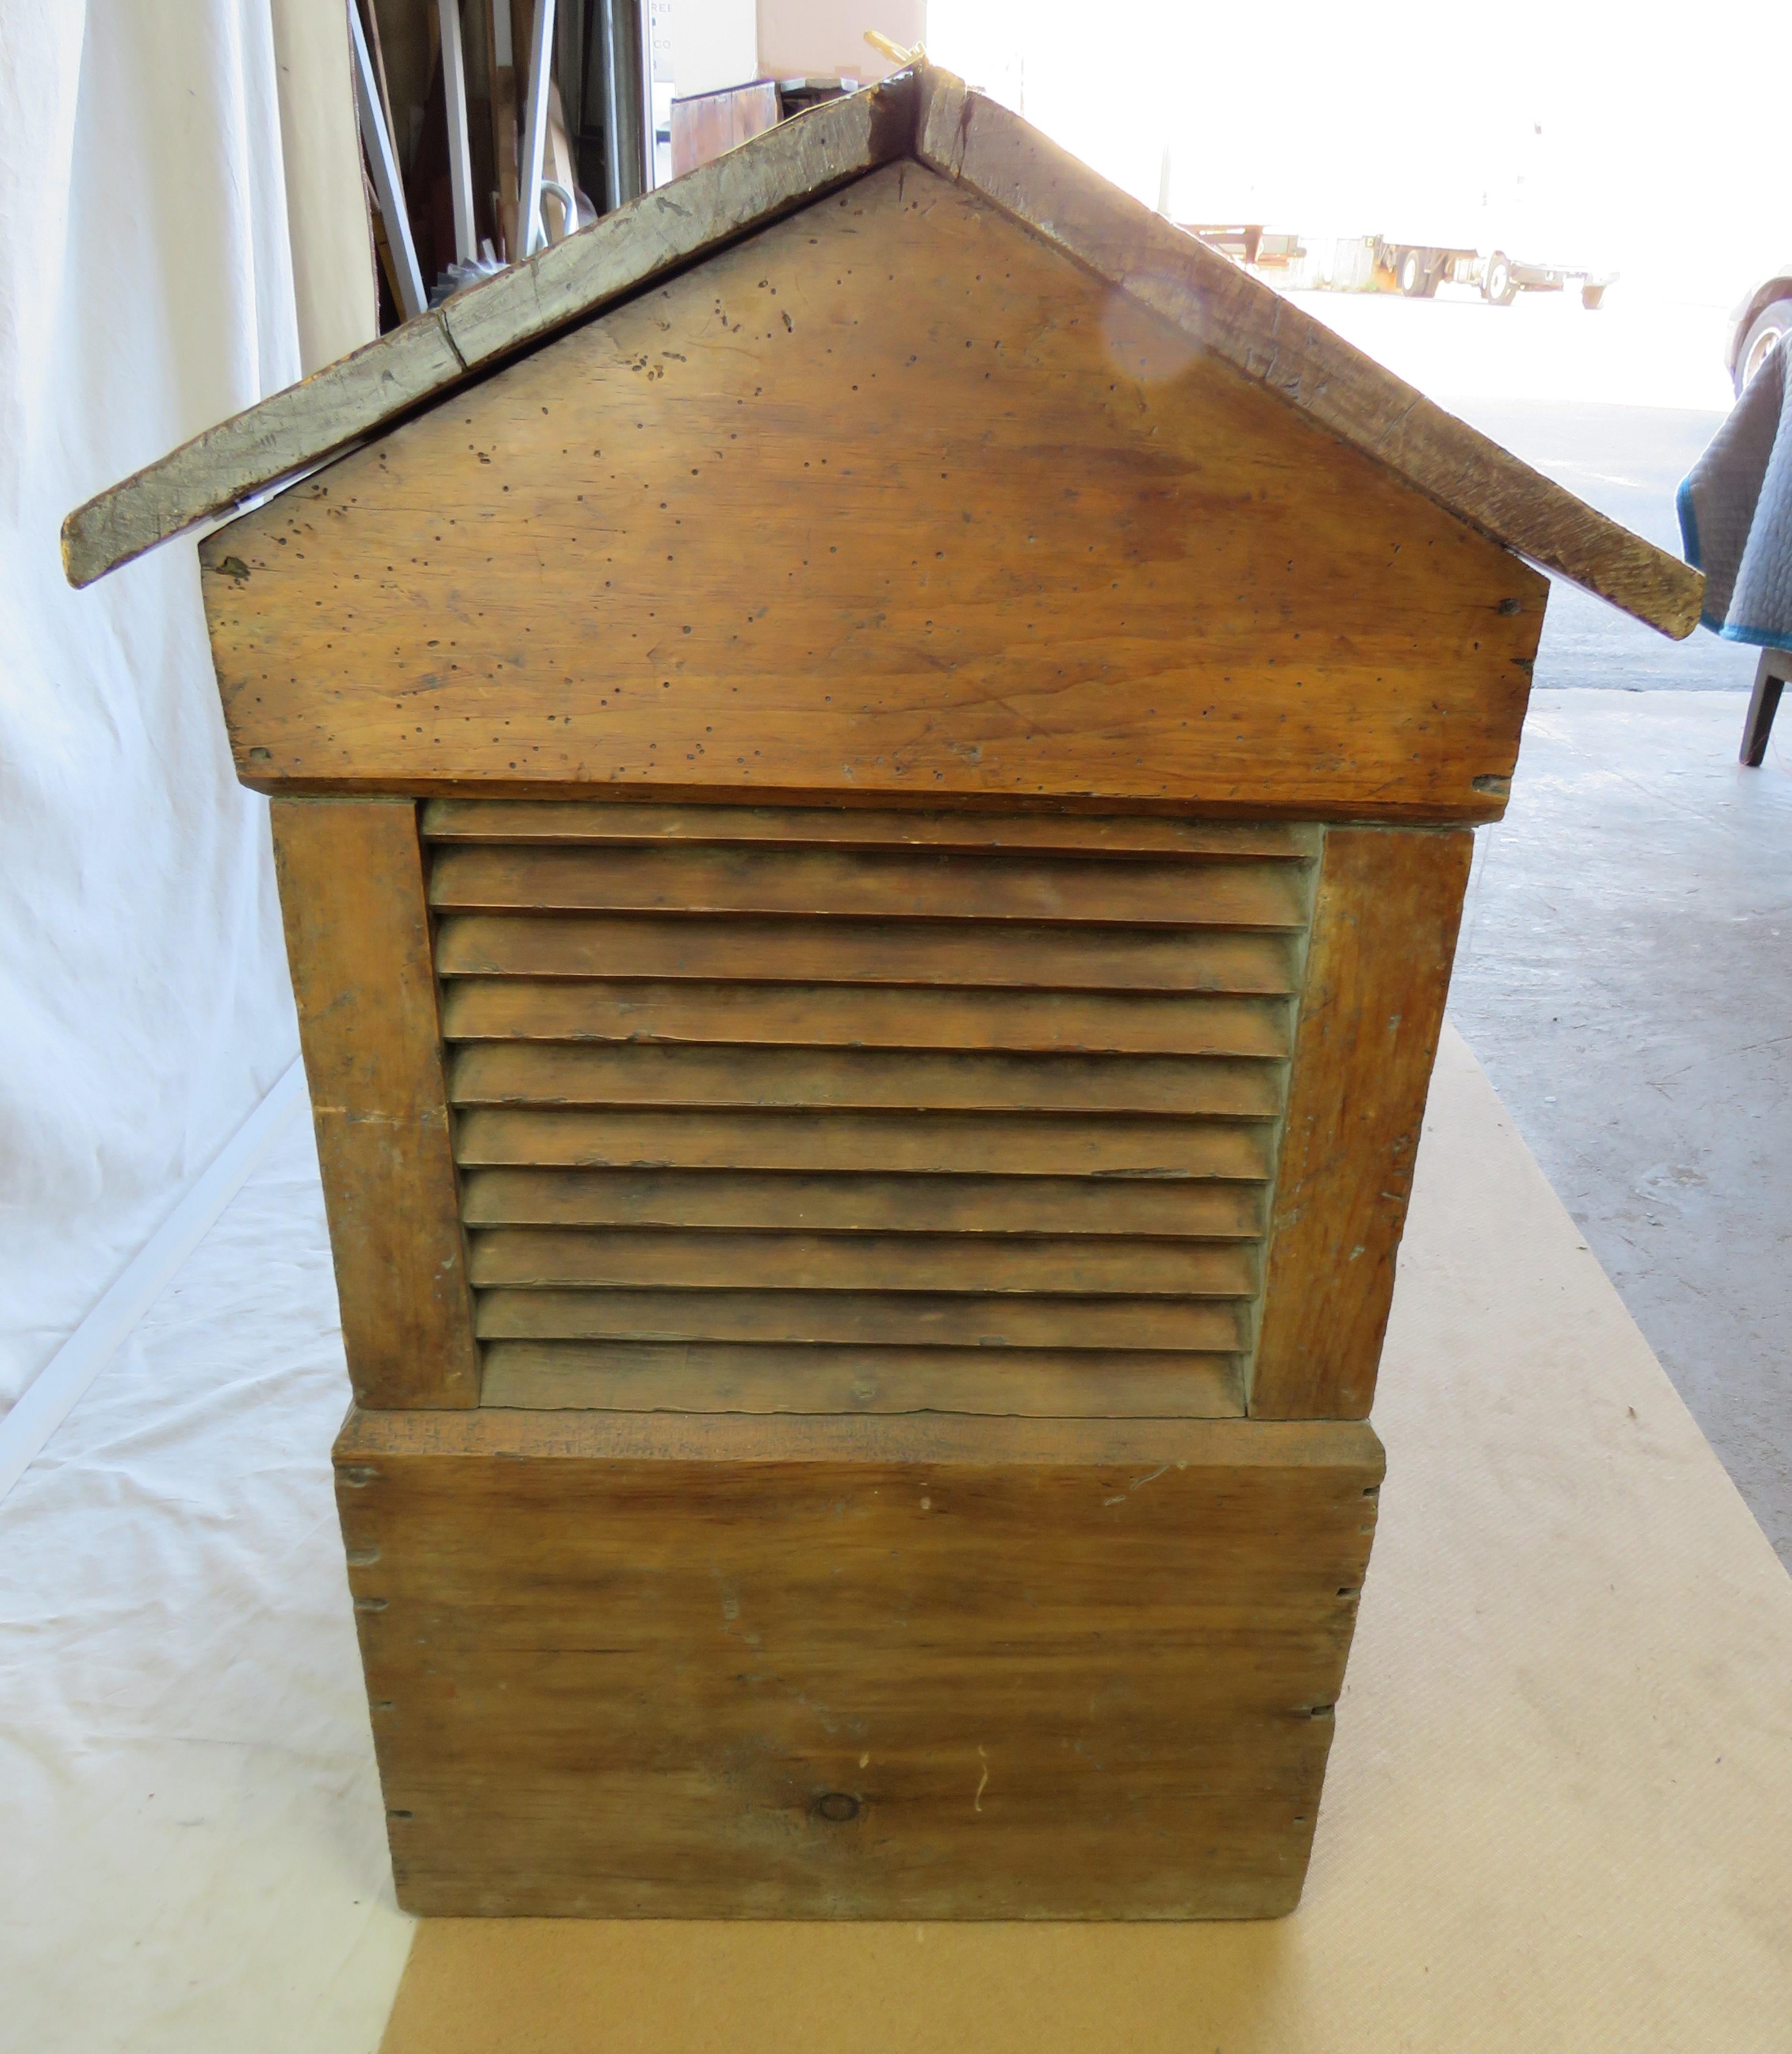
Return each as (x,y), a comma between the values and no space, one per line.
(1559,1810)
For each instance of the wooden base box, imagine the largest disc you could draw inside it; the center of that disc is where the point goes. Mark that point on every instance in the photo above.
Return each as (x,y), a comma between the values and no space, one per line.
(726,1666)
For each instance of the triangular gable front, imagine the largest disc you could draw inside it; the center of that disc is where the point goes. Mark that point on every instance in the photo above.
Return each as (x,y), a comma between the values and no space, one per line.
(931,117)
(890,498)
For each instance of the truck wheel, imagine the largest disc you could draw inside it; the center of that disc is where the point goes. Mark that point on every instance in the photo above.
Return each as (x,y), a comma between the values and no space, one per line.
(1496,283)
(1593,297)
(1413,276)
(1764,331)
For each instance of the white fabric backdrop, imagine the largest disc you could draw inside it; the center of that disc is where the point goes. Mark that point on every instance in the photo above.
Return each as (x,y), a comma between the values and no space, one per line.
(145,291)
(192,1843)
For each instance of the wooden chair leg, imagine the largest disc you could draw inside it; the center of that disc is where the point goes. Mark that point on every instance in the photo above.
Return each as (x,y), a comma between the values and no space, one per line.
(1769,680)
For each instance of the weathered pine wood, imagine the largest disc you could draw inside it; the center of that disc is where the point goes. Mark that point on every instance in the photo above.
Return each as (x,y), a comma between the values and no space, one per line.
(704,125)
(293,430)
(875,885)
(822,1016)
(989,150)
(1219,309)
(1016,1145)
(638,1376)
(923,1665)
(1173,1208)
(597,1074)
(863,1319)
(710,1049)
(357,934)
(1020,957)
(842,826)
(1001,534)
(1384,937)
(715,1259)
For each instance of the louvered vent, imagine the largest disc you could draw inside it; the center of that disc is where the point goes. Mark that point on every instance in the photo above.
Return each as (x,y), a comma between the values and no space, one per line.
(826,1111)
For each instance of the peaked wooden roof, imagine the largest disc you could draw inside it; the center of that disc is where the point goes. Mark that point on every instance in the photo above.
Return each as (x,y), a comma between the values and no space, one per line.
(928,115)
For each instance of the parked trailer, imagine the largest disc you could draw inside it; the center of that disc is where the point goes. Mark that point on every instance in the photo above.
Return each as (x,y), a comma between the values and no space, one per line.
(1377,264)
(1418,270)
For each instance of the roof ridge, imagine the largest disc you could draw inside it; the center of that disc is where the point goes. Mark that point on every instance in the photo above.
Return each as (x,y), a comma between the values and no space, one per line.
(928,114)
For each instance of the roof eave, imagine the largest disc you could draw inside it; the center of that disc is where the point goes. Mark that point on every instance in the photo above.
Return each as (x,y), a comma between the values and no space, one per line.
(934,117)
(294,430)
(1255,329)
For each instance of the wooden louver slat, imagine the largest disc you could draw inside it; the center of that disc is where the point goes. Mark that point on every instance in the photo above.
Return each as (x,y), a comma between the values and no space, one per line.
(1021,956)
(926,1144)
(1095,1266)
(882,884)
(863,1319)
(528,822)
(552,1073)
(1162,1208)
(854,1016)
(759,1109)
(726,1377)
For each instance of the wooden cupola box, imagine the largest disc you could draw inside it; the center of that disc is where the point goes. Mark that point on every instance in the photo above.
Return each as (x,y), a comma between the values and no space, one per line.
(873,764)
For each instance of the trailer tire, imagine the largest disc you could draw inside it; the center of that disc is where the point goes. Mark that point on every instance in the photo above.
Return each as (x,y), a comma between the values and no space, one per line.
(1497,286)
(1415,278)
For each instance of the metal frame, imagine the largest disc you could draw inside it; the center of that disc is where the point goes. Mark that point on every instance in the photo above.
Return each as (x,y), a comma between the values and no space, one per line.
(388,183)
(460,155)
(530,232)
(1771,675)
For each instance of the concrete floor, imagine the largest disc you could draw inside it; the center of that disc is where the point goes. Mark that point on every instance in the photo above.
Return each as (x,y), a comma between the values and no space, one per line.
(1626,980)
(1626,968)
(1625,977)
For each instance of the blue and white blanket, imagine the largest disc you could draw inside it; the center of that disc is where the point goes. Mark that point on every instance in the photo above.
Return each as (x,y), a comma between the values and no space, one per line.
(1736,515)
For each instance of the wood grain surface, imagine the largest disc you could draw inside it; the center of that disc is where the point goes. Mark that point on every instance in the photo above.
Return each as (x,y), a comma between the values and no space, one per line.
(710,1258)
(357,935)
(773,528)
(846,1015)
(874,883)
(1219,308)
(922,1080)
(953,1132)
(925,1144)
(1016,954)
(625,1666)
(930,116)
(979,1321)
(536,821)
(422,359)
(722,1376)
(1171,1208)
(1384,937)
